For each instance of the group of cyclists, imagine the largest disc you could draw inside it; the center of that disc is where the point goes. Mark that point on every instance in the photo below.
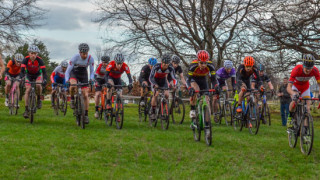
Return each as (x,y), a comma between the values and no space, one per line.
(201,75)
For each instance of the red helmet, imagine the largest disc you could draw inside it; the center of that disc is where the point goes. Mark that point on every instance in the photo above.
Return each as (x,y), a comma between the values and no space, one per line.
(248,61)
(203,55)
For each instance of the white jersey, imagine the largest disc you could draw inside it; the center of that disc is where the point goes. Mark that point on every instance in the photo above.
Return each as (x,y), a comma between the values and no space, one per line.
(77,62)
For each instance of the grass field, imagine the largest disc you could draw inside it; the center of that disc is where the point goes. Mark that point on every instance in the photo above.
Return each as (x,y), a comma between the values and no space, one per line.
(54,147)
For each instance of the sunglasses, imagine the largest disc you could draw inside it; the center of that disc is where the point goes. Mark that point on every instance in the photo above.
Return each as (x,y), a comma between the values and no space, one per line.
(308,68)
(203,63)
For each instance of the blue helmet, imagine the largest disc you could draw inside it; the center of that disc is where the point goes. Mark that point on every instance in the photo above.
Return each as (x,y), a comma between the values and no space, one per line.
(152,61)
(261,67)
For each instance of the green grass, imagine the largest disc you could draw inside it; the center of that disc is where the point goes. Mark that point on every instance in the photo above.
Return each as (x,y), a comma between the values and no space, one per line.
(56,148)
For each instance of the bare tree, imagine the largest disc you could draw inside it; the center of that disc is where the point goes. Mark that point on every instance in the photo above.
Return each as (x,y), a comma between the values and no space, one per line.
(17,16)
(181,27)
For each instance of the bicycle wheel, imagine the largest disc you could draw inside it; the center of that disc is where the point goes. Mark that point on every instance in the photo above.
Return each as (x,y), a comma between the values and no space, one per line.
(207,127)
(293,132)
(217,115)
(81,111)
(227,114)
(32,106)
(267,114)
(11,103)
(16,102)
(141,110)
(236,121)
(119,114)
(64,104)
(164,115)
(178,110)
(306,135)
(196,129)
(56,104)
(253,120)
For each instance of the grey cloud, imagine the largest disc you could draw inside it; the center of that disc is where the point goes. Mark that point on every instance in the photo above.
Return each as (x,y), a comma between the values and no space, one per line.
(65,18)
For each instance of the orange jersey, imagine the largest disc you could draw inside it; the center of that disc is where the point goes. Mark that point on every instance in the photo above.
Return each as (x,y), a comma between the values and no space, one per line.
(13,68)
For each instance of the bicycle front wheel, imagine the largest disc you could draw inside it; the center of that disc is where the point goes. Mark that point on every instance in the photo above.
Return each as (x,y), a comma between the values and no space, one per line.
(56,104)
(64,105)
(267,114)
(178,110)
(16,102)
(254,120)
(196,129)
(207,126)
(32,106)
(227,113)
(81,112)
(236,121)
(164,115)
(142,110)
(119,114)
(306,134)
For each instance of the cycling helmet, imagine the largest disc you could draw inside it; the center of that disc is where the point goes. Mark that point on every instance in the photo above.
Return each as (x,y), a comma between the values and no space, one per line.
(248,61)
(18,57)
(105,59)
(203,55)
(152,61)
(166,59)
(228,64)
(84,47)
(64,64)
(119,58)
(33,48)
(260,67)
(308,60)
(175,59)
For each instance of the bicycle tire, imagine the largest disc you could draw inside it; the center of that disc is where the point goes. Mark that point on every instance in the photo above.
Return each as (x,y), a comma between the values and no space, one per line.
(11,102)
(65,104)
(227,113)
(16,104)
(267,114)
(196,130)
(119,114)
(141,110)
(206,117)
(236,122)
(56,104)
(164,117)
(81,111)
(32,104)
(306,135)
(254,120)
(178,110)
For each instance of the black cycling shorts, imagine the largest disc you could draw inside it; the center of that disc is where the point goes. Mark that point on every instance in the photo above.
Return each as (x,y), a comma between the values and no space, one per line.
(99,83)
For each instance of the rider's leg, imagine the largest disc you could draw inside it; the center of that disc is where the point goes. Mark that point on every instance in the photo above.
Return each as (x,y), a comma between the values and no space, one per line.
(193,99)
(85,93)
(7,90)
(18,88)
(26,97)
(109,93)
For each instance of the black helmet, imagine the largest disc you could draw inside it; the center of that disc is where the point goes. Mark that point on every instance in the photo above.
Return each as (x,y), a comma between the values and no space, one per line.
(84,47)
(175,59)
(260,67)
(308,60)
(105,59)
(118,58)
(166,59)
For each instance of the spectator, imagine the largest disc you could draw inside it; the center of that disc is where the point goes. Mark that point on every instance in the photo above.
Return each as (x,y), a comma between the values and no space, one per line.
(285,100)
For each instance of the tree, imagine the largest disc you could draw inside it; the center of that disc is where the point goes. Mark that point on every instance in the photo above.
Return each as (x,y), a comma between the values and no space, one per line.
(181,27)
(17,16)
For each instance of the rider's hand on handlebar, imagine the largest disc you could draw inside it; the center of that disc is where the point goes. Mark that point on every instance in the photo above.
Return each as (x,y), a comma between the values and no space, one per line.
(191,91)
(295,97)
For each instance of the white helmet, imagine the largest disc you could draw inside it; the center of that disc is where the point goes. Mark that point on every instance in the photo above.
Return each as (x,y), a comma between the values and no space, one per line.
(33,48)
(228,64)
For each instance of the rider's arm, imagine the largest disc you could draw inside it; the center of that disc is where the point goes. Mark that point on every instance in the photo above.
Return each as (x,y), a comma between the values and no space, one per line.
(23,67)
(52,76)
(8,67)
(91,68)
(173,77)
(182,79)
(213,78)
(126,68)
(289,89)
(43,68)
(152,74)
(69,68)
(192,67)
(257,77)
(270,85)
(143,75)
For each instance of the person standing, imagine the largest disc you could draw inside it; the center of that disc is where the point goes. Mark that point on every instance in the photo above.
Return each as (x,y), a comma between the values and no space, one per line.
(285,100)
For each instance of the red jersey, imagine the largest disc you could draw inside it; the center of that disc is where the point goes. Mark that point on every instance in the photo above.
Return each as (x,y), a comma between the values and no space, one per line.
(34,67)
(116,73)
(300,79)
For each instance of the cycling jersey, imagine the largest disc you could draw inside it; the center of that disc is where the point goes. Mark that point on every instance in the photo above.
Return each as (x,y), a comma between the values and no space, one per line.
(177,70)
(195,73)
(159,75)
(301,80)
(264,78)
(57,74)
(78,66)
(145,73)
(115,73)
(33,68)
(244,76)
(222,76)
(100,72)
(12,68)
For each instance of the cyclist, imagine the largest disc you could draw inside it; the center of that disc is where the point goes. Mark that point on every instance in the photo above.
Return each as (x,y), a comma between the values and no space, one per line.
(159,79)
(58,77)
(198,71)
(299,82)
(99,77)
(144,78)
(244,72)
(264,78)
(34,69)
(175,61)
(12,71)
(113,75)
(77,73)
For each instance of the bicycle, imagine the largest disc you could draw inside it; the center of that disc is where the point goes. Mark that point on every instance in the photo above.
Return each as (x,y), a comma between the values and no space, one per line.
(224,111)
(202,120)
(103,107)
(265,111)
(144,110)
(117,110)
(177,109)
(302,124)
(32,100)
(14,97)
(249,115)
(60,99)
(162,110)
(79,109)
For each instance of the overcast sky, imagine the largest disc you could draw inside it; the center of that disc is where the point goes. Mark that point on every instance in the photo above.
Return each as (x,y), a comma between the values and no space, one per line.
(67,24)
